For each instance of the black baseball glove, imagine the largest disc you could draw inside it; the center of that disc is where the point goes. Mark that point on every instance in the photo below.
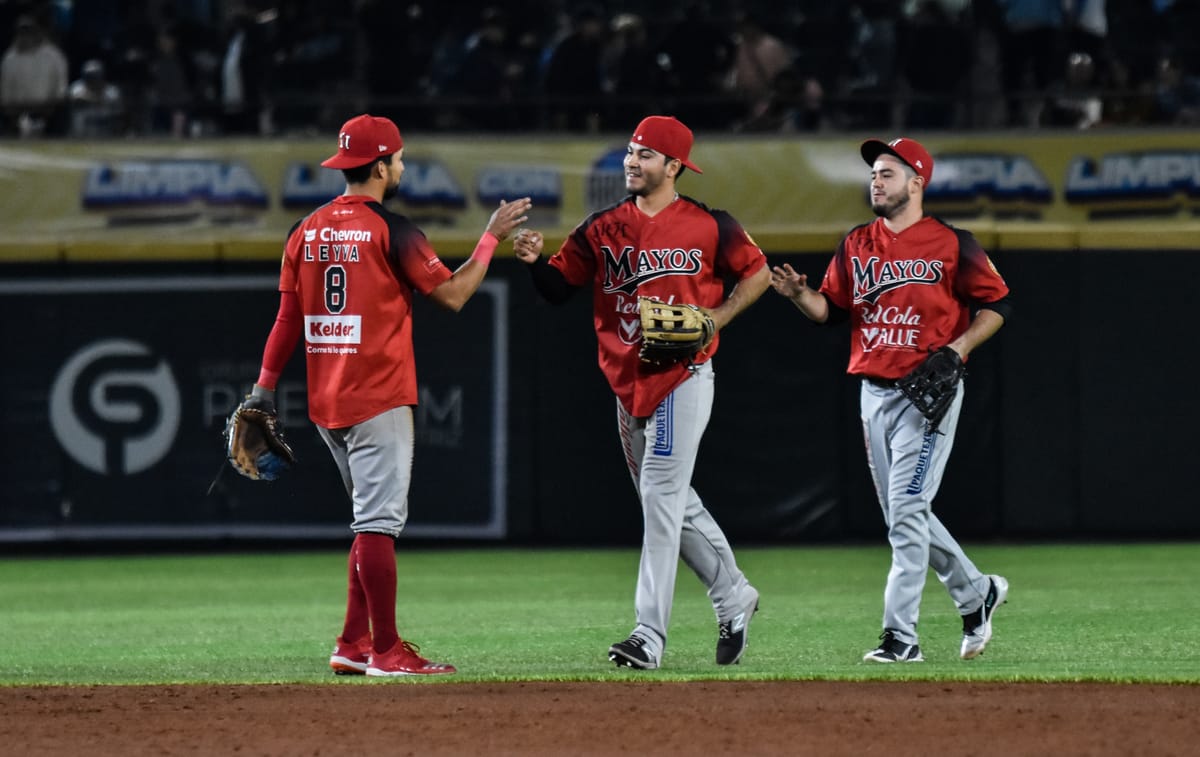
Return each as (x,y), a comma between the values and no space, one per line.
(931,386)
(254,440)
(673,333)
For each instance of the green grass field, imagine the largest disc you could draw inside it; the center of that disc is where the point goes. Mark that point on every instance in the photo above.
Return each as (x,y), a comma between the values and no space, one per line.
(1122,613)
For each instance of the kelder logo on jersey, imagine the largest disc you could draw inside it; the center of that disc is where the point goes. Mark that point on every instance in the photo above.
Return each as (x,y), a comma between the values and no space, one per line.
(889,325)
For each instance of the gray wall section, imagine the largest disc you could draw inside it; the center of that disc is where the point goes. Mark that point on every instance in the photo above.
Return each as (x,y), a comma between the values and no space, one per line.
(1076,423)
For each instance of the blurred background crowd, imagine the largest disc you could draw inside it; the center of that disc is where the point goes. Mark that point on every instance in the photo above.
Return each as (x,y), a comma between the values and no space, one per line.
(202,68)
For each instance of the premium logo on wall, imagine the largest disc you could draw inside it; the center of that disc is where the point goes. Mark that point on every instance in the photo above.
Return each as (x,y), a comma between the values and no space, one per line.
(114,407)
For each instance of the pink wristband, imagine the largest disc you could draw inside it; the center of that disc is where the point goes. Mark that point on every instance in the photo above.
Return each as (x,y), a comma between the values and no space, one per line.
(485,248)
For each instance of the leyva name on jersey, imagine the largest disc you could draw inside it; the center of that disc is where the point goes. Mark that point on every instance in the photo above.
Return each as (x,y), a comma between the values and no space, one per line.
(872,278)
(333,245)
(624,271)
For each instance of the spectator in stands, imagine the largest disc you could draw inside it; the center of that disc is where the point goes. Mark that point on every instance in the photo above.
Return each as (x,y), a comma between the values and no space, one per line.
(417,23)
(1076,102)
(1126,101)
(1031,54)
(95,103)
(571,74)
(33,82)
(312,48)
(170,92)
(1176,94)
(935,60)
(796,103)
(758,60)
(873,58)
(696,53)
(1087,31)
(630,72)
(481,77)
(1176,24)
(245,76)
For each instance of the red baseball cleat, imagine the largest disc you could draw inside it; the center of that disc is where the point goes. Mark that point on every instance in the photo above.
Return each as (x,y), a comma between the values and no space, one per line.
(403,660)
(351,659)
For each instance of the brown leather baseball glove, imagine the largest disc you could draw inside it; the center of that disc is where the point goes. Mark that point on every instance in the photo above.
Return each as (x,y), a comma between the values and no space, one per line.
(673,333)
(254,441)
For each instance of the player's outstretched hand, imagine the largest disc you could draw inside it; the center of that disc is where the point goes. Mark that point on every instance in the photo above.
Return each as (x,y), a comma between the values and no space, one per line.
(509,216)
(527,244)
(787,282)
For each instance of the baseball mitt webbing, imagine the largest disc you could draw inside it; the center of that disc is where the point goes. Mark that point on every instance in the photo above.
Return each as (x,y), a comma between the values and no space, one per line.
(673,333)
(254,441)
(931,386)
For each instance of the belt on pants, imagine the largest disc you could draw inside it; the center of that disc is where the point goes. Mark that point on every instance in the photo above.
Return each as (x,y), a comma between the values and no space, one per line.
(881,383)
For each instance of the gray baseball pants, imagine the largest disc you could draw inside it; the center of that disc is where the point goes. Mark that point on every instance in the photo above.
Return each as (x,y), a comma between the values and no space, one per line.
(660,452)
(907,466)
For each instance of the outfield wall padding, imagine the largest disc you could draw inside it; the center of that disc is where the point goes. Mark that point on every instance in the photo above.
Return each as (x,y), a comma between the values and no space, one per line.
(1076,422)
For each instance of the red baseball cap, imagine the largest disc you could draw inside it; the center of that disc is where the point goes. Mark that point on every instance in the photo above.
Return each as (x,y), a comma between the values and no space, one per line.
(668,135)
(363,139)
(908,150)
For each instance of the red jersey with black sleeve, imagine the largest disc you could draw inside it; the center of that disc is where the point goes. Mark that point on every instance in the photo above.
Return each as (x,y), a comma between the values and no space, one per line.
(685,253)
(908,293)
(353,266)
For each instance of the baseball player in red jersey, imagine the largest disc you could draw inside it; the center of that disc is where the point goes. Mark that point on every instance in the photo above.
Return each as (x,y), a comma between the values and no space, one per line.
(658,243)
(910,284)
(346,284)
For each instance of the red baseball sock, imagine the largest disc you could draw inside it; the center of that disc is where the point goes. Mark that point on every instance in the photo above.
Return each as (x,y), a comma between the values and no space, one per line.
(357,623)
(377,574)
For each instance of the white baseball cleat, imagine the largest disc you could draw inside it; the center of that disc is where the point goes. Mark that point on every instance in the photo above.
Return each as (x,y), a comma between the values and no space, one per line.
(977,625)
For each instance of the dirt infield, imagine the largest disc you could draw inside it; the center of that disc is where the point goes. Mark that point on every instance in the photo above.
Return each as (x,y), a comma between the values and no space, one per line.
(784,718)
(407,718)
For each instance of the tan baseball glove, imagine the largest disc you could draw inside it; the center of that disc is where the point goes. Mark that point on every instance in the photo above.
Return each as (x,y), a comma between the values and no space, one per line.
(673,333)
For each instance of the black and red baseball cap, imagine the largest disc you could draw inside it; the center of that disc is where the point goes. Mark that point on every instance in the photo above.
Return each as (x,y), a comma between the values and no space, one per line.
(668,135)
(363,139)
(912,152)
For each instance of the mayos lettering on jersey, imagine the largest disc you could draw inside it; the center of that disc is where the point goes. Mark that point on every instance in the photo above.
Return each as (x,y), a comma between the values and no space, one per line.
(625,270)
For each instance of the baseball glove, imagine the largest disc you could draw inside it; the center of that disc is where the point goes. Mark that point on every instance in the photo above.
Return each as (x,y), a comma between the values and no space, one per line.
(931,386)
(673,333)
(254,441)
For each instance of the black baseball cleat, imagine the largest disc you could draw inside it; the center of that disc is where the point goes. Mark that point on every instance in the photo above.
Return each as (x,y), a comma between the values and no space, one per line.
(731,636)
(632,653)
(892,649)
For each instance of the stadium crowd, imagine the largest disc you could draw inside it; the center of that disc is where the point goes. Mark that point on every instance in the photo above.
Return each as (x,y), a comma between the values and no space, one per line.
(190,68)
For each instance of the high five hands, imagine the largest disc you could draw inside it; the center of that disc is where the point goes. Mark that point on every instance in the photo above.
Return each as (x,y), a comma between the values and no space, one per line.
(527,244)
(787,282)
(509,216)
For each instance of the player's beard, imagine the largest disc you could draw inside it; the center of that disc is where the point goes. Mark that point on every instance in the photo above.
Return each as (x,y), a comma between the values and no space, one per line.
(393,186)
(892,205)
(649,184)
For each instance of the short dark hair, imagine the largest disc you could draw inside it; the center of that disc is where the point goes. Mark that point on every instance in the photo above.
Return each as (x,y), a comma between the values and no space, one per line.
(682,167)
(360,174)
